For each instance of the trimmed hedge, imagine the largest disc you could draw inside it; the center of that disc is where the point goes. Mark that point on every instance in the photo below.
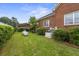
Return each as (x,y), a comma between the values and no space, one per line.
(74,35)
(70,35)
(5,33)
(41,30)
(61,35)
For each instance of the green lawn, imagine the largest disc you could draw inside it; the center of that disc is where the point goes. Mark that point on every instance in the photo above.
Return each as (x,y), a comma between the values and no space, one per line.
(35,45)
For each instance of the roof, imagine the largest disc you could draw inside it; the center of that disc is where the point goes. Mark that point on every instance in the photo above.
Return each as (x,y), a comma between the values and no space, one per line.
(50,13)
(23,24)
(45,16)
(57,6)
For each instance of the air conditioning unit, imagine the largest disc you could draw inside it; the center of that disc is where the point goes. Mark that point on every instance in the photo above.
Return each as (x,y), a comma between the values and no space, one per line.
(48,34)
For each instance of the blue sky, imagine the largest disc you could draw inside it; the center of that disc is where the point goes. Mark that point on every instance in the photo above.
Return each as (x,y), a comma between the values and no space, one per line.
(23,11)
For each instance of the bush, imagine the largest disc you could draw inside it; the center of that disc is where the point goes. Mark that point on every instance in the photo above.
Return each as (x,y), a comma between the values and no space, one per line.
(41,30)
(5,33)
(61,35)
(32,29)
(71,35)
(20,29)
(74,35)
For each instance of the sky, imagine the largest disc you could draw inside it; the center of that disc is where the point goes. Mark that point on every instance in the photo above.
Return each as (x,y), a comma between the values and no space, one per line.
(23,11)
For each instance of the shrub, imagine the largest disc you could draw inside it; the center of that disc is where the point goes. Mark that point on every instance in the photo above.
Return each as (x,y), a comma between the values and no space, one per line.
(74,35)
(20,29)
(33,29)
(5,33)
(61,35)
(70,35)
(41,30)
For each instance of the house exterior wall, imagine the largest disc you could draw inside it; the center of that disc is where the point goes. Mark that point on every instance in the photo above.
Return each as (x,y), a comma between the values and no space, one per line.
(63,8)
(57,20)
(40,23)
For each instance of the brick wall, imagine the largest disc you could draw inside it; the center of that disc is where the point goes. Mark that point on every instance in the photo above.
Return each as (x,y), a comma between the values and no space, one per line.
(58,19)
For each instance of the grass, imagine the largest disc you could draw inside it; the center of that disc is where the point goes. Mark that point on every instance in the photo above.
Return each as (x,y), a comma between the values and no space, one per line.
(35,45)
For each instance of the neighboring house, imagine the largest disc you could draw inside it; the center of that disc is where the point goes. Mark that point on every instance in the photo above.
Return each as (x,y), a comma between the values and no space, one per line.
(23,26)
(45,21)
(64,15)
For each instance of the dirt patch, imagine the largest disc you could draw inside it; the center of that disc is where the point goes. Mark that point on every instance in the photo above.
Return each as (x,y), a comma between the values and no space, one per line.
(71,45)
(0,50)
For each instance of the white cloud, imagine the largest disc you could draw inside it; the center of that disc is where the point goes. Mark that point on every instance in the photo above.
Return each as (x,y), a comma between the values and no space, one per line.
(36,11)
(39,12)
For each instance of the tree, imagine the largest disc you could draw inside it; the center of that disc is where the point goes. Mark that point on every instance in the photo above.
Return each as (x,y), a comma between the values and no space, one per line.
(14,21)
(5,20)
(32,22)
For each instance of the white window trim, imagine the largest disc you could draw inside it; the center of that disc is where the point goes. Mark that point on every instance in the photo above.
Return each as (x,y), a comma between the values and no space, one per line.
(73,19)
(65,20)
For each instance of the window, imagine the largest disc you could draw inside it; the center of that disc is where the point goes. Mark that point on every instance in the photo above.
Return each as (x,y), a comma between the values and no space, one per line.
(71,18)
(46,23)
(76,17)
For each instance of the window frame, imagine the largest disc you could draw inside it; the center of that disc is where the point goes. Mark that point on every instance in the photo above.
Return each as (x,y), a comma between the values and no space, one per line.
(73,18)
(65,19)
(45,22)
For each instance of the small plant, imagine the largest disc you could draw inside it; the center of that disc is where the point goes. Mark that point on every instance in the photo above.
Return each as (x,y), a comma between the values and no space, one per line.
(41,30)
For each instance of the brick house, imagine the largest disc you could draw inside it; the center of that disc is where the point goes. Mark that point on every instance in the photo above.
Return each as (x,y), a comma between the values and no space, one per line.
(45,21)
(64,15)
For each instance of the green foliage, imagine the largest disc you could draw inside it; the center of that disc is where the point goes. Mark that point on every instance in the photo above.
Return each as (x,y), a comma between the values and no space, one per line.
(61,35)
(5,20)
(70,35)
(32,20)
(5,33)
(33,24)
(20,29)
(36,45)
(74,35)
(33,28)
(41,30)
(13,22)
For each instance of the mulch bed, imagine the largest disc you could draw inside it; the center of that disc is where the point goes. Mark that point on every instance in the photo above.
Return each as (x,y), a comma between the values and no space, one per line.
(71,45)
